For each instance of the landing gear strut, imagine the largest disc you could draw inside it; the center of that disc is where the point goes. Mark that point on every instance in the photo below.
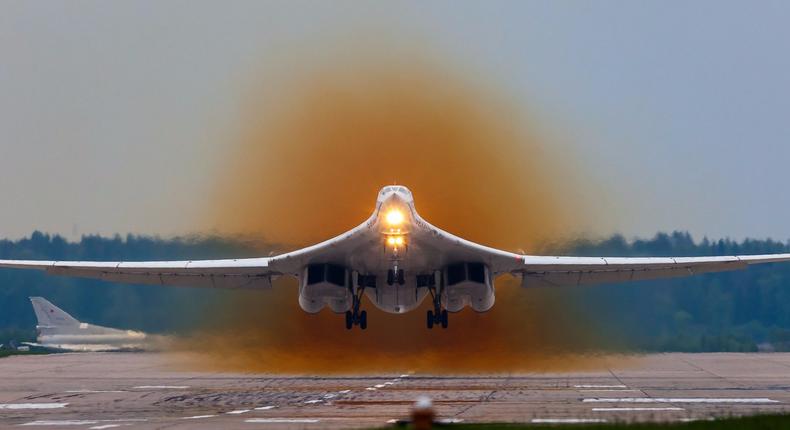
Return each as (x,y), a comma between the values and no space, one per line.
(437,315)
(354,316)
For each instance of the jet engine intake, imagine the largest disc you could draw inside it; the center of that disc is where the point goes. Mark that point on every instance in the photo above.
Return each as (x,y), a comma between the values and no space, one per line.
(325,285)
(468,284)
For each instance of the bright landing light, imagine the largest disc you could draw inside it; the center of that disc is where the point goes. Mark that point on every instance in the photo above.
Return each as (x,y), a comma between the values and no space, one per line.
(394,217)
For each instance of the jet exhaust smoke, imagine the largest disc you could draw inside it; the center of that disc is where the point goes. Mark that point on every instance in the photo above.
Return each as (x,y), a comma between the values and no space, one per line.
(315,149)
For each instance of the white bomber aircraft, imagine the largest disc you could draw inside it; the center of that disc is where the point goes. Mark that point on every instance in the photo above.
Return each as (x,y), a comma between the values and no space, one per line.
(396,259)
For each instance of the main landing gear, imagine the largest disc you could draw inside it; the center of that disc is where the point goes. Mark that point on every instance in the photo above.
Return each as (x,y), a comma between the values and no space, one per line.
(354,316)
(437,315)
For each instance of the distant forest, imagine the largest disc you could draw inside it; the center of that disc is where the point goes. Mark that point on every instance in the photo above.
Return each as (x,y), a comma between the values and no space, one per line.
(734,311)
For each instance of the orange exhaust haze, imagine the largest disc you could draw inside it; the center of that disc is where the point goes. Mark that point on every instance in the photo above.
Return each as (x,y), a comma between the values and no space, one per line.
(315,148)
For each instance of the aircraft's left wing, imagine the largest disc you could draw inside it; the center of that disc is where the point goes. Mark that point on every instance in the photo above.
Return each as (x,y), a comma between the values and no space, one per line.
(232,273)
(560,271)
(572,271)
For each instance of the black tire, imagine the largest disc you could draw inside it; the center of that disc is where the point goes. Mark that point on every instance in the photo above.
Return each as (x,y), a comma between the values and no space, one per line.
(401,277)
(430,319)
(390,277)
(349,320)
(363,320)
(444,318)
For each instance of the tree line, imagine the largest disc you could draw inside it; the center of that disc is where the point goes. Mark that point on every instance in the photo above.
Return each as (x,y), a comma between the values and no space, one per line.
(732,311)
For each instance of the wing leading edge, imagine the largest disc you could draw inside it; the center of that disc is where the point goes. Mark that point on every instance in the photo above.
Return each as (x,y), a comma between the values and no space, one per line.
(234,273)
(573,271)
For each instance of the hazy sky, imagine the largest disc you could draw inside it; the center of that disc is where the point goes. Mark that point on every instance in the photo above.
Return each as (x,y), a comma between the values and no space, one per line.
(113,114)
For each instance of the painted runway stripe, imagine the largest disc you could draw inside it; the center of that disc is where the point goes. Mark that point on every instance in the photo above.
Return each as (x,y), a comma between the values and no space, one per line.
(60,423)
(238,412)
(679,400)
(566,420)
(282,420)
(599,386)
(310,402)
(265,408)
(197,417)
(32,405)
(607,390)
(635,409)
(344,391)
(161,387)
(104,426)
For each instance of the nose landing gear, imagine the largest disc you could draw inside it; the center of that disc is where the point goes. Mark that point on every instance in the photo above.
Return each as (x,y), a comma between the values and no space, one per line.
(395,276)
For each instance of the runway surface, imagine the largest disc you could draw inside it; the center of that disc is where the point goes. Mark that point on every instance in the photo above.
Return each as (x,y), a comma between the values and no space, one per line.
(143,390)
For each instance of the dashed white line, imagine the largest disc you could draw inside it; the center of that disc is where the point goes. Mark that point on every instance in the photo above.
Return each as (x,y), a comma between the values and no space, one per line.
(265,408)
(329,396)
(599,386)
(371,388)
(608,390)
(104,426)
(344,391)
(679,400)
(566,420)
(379,385)
(282,420)
(310,402)
(197,417)
(238,412)
(60,423)
(161,387)
(32,405)
(636,409)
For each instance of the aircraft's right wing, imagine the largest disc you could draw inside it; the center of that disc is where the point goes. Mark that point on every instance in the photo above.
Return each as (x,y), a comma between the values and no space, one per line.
(247,273)
(235,273)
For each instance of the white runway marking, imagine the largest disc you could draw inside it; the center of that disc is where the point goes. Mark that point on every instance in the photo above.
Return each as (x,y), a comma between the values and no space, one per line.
(60,423)
(679,400)
(104,426)
(310,402)
(379,386)
(371,389)
(265,408)
(635,409)
(607,390)
(390,383)
(282,420)
(344,391)
(566,420)
(599,386)
(238,412)
(161,387)
(32,405)
(329,396)
(197,417)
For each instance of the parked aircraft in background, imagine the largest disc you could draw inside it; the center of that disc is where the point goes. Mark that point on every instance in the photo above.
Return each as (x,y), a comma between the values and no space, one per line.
(59,331)
(396,259)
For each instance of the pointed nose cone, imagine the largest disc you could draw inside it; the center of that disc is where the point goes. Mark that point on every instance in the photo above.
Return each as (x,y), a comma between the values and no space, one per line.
(395,207)
(395,194)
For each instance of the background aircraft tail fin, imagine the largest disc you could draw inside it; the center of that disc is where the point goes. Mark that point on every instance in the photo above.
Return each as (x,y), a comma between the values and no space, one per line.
(49,315)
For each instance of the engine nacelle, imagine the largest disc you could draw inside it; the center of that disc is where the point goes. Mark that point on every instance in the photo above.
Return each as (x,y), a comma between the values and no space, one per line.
(468,284)
(325,285)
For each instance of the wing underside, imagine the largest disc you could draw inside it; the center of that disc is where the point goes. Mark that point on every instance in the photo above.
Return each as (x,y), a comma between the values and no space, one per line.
(573,271)
(236,273)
